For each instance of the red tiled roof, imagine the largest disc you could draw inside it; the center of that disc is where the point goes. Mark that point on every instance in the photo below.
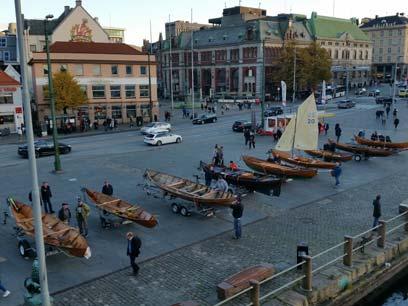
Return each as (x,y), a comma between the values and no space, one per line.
(6,80)
(93,48)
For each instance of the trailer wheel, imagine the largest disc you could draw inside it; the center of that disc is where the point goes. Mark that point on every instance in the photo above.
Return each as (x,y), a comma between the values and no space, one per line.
(357,157)
(175,208)
(24,248)
(184,211)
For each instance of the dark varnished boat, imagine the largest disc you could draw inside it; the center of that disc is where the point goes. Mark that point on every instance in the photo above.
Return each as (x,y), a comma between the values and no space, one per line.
(381,144)
(363,150)
(270,167)
(122,208)
(188,190)
(55,232)
(303,161)
(249,180)
(330,156)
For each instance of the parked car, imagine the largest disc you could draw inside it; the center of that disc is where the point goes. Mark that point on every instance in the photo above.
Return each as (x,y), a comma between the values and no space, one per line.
(361,92)
(240,125)
(403,93)
(347,103)
(374,93)
(205,118)
(157,139)
(273,111)
(44,148)
(155,127)
(382,100)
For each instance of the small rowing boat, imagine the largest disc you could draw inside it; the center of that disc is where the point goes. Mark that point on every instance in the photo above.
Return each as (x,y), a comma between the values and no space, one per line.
(330,156)
(302,161)
(363,150)
(381,144)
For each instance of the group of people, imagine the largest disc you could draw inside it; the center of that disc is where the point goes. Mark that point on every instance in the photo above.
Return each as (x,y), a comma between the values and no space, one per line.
(110,124)
(322,127)
(378,137)
(249,136)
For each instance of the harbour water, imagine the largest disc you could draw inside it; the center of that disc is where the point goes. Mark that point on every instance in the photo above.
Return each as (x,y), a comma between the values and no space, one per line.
(396,296)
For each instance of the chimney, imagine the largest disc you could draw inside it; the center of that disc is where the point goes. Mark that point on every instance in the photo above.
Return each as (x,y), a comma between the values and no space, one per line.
(401,14)
(78,3)
(376,16)
(96,19)
(66,10)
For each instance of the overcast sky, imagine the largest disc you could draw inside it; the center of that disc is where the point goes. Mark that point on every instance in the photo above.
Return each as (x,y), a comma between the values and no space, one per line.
(134,15)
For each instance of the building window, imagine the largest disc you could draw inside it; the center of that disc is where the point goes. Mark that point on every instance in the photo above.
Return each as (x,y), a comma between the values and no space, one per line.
(336,54)
(389,59)
(380,58)
(84,89)
(389,50)
(336,44)
(114,69)
(98,91)
(130,91)
(144,91)
(131,111)
(366,55)
(382,33)
(381,50)
(354,54)
(143,70)
(234,55)
(6,98)
(96,70)
(115,91)
(330,43)
(6,119)
(399,32)
(116,112)
(79,69)
(390,32)
(3,42)
(6,55)
(33,48)
(46,93)
(129,70)
(100,112)
(322,43)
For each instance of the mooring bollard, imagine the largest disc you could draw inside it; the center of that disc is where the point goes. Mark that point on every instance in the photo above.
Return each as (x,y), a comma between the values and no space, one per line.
(307,270)
(255,292)
(382,230)
(348,251)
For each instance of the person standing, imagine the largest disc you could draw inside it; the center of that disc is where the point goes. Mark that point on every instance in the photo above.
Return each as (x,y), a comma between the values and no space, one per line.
(133,250)
(246,136)
(388,109)
(82,212)
(107,188)
(208,176)
(336,172)
(252,140)
(6,293)
(337,131)
(64,213)
(46,196)
(326,128)
(396,122)
(376,210)
(395,112)
(221,184)
(237,211)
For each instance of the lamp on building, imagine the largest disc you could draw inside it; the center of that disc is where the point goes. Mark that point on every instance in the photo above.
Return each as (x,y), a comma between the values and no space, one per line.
(57,161)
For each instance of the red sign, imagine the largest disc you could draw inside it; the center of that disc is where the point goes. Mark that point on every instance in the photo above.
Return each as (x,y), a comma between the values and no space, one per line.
(19,110)
(8,89)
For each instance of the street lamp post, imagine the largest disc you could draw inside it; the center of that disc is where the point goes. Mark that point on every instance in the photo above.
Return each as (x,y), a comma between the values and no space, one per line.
(395,81)
(263,84)
(57,161)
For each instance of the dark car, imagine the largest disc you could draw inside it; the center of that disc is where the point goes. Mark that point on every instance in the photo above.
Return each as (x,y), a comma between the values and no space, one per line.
(240,125)
(205,118)
(347,103)
(44,148)
(273,111)
(382,100)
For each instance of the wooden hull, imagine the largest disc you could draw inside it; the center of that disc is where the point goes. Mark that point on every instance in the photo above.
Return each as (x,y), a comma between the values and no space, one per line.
(270,167)
(303,161)
(55,232)
(330,156)
(188,190)
(246,179)
(122,208)
(381,144)
(364,150)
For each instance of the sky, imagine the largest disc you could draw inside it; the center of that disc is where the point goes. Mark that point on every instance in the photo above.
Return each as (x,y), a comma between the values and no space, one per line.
(135,15)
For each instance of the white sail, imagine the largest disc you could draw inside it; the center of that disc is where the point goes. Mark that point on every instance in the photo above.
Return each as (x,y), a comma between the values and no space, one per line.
(306,133)
(285,143)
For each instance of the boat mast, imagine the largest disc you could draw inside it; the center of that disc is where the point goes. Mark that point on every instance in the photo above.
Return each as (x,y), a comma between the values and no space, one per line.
(294,132)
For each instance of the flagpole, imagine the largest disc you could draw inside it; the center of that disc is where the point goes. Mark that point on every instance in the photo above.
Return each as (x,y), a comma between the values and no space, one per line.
(192,63)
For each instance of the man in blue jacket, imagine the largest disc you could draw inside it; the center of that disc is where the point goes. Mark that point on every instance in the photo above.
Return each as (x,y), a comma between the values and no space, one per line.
(336,172)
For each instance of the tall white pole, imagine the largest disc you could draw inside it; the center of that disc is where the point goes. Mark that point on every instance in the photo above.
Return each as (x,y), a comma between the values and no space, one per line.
(294,77)
(171,72)
(39,238)
(192,63)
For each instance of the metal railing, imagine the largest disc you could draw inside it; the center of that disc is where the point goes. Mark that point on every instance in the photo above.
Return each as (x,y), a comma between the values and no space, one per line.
(306,276)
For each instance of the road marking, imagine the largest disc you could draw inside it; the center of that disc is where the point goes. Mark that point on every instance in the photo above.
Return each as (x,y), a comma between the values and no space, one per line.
(72,179)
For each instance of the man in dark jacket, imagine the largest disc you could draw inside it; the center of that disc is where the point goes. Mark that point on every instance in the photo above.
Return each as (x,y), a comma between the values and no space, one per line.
(237,211)
(107,188)
(336,172)
(46,196)
(376,210)
(246,135)
(337,131)
(396,122)
(64,213)
(133,250)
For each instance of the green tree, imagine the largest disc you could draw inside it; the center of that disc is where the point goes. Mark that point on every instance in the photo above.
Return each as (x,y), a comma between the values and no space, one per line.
(286,65)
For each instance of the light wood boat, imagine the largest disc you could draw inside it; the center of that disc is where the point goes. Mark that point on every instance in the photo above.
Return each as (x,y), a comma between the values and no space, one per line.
(188,190)
(303,161)
(330,156)
(381,144)
(361,149)
(270,167)
(122,208)
(56,233)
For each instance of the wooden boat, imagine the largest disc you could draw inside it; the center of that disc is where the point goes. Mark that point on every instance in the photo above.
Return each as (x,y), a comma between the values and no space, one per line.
(249,180)
(122,208)
(241,280)
(381,144)
(270,167)
(362,150)
(188,190)
(330,156)
(303,161)
(56,233)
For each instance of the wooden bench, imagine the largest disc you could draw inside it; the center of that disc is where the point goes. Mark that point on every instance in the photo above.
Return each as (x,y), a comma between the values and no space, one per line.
(240,280)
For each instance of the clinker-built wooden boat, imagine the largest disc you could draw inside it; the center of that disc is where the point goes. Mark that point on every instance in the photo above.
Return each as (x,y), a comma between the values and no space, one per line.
(188,190)
(330,156)
(122,208)
(55,232)
(381,144)
(270,167)
(303,161)
(363,150)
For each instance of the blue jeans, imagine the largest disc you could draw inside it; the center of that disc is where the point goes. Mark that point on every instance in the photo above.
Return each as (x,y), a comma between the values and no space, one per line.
(375,223)
(237,227)
(2,288)
(337,180)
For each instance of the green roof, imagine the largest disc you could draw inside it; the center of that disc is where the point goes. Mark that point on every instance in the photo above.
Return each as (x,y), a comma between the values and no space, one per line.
(330,27)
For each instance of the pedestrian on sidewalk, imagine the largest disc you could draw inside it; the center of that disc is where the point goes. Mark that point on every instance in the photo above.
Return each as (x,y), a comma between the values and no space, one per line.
(46,196)
(237,211)
(395,112)
(64,213)
(107,188)
(336,172)
(133,250)
(82,212)
(6,293)
(388,109)
(252,140)
(376,210)
(247,133)
(337,131)
(396,122)
(326,128)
